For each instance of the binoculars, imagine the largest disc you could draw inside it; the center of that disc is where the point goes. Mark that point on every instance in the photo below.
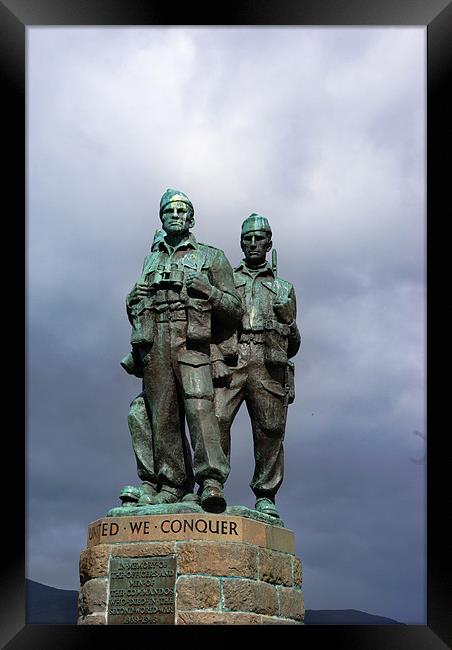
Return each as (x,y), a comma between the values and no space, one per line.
(167,279)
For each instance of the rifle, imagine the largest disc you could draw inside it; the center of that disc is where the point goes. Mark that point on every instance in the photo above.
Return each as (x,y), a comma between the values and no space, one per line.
(289,384)
(275,262)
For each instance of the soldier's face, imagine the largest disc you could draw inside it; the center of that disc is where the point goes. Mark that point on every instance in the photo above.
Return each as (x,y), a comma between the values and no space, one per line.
(177,218)
(255,246)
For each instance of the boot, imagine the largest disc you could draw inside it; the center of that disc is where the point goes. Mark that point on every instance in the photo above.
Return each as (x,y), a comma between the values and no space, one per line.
(147,490)
(191,497)
(129,495)
(267,507)
(167,494)
(212,497)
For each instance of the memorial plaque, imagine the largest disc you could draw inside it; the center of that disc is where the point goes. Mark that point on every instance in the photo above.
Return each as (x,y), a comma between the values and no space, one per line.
(142,590)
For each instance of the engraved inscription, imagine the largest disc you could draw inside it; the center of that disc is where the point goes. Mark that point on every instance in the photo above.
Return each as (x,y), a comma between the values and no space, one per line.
(165,527)
(142,590)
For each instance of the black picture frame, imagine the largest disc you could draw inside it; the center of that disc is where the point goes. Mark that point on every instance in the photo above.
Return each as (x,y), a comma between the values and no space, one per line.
(15,17)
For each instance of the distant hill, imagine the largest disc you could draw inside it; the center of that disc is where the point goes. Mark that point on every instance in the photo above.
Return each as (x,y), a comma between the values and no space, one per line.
(345,617)
(48,605)
(51,606)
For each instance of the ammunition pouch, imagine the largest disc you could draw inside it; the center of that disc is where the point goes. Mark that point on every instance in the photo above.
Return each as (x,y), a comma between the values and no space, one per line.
(276,343)
(196,374)
(199,320)
(142,322)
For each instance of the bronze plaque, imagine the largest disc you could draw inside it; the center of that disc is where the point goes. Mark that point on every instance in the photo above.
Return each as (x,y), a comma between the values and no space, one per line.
(142,590)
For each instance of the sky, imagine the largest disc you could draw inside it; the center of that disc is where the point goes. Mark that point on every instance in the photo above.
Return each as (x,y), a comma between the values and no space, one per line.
(322,130)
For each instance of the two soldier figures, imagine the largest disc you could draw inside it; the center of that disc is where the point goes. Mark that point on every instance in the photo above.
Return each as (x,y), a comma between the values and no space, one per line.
(205,339)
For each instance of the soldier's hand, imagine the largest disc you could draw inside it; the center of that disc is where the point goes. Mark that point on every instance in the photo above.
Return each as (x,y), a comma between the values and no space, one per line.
(220,370)
(283,311)
(140,290)
(197,282)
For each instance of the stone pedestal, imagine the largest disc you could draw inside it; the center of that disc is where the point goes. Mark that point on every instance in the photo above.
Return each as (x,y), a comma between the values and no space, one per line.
(189,569)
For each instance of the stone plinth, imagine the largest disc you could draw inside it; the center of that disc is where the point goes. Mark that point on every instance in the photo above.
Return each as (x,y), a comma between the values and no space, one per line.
(189,569)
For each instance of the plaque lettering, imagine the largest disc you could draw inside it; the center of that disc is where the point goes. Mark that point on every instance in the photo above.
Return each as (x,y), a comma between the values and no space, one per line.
(155,528)
(142,590)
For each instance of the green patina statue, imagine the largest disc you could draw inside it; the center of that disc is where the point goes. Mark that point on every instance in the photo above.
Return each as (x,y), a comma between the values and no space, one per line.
(184,303)
(263,376)
(204,340)
(140,428)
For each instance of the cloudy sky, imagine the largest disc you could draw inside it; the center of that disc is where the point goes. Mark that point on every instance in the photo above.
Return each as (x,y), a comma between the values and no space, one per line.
(319,129)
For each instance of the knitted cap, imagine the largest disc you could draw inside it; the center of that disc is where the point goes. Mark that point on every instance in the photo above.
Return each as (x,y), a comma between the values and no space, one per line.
(256,222)
(174,195)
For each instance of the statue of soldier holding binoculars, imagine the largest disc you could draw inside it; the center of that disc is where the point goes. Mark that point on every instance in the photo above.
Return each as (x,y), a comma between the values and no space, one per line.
(184,301)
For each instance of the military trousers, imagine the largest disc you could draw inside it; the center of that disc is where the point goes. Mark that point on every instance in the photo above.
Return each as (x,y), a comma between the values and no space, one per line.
(178,384)
(139,420)
(262,389)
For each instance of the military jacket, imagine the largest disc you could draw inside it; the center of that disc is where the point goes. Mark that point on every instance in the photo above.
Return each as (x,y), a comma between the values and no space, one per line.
(165,270)
(259,289)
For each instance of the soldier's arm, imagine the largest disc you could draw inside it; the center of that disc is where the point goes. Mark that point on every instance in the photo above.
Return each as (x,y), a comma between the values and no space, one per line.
(285,308)
(139,291)
(294,337)
(219,368)
(224,296)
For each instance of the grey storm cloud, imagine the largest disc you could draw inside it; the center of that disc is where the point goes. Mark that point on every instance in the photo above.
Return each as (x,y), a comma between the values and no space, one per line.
(322,131)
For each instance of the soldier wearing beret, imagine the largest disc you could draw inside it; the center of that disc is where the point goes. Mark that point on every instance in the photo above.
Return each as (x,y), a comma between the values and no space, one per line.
(184,298)
(268,337)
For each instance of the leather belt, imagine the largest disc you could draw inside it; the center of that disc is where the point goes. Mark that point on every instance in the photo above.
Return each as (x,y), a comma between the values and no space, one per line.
(252,337)
(170,315)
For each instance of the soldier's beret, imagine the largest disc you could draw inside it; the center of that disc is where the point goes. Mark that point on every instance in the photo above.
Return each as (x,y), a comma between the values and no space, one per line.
(256,222)
(174,195)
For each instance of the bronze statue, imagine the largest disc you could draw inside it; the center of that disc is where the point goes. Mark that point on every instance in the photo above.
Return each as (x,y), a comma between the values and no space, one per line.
(139,421)
(183,303)
(262,376)
(140,428)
